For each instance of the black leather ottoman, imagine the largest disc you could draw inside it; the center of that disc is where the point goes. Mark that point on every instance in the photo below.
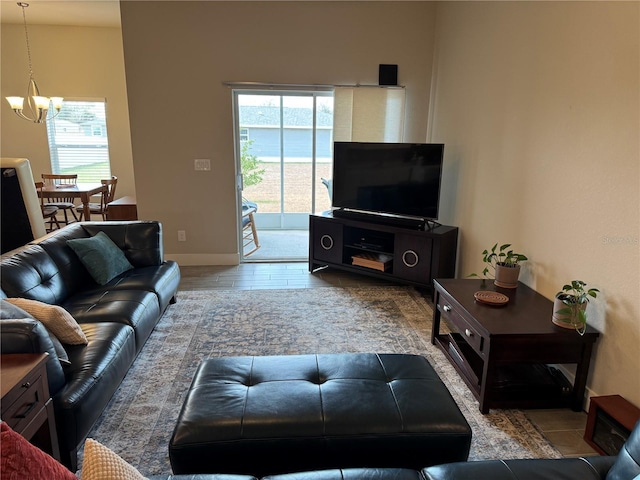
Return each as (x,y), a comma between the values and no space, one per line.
(267,415)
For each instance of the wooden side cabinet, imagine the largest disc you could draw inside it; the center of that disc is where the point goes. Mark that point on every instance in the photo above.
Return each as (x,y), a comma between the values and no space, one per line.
(26,405)
(124,208)
(609,423)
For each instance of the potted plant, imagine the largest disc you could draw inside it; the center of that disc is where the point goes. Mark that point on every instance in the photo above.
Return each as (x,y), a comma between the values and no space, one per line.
(504,263)
(570,305)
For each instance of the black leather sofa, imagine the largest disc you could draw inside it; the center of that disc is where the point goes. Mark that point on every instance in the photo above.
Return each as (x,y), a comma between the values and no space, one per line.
(626,466)
(117,318)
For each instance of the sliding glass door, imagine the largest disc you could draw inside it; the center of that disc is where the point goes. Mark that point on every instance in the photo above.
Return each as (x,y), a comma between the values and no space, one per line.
(284,144)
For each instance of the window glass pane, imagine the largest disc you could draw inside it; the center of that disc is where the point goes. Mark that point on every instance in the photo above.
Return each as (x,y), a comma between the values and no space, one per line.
(78,140)
(324,151)
(297,115)
(277,130)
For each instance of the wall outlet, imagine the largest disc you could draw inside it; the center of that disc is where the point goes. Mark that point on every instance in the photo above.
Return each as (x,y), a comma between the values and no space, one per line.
(182,236)
(202,164)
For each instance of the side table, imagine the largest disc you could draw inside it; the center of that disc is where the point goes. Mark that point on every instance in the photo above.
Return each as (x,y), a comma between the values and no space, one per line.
(26,405)
(124,208)
(503,353)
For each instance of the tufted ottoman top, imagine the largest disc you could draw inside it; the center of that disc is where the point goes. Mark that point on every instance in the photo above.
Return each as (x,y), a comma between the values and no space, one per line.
(264,415)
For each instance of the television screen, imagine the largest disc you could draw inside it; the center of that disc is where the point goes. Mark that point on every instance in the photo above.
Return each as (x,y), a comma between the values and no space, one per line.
(388,178)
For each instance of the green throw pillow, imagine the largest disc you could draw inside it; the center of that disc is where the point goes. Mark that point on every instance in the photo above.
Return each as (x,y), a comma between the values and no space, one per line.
(101,257)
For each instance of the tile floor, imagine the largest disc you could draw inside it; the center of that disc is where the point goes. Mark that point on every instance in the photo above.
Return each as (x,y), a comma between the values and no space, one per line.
(562,427)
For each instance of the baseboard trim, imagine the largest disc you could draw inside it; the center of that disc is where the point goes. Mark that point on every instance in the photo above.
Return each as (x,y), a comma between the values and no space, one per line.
(188,259)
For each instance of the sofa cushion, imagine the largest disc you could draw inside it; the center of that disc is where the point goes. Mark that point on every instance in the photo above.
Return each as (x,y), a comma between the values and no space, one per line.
(137,308)
(101,463)
(11,311)
(20,459)
(162,280)
(101,257)
(55,318)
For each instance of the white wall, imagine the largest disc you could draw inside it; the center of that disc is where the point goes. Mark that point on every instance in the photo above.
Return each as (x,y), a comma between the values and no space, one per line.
(78,62)
(538,105)
(177,56)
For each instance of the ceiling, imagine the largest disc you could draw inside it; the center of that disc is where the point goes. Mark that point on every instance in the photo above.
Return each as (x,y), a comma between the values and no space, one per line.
(93,13)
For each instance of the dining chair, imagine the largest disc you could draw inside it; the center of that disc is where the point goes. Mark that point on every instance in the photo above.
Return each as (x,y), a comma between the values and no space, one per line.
(106,198)
(249,232)
(65,204)
(49,212)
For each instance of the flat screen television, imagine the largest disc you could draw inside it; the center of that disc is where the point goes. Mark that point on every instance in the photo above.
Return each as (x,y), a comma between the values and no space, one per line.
(391,179)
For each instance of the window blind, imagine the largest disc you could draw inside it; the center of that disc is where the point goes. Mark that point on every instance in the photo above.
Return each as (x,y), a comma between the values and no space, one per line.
(78,141)
(369,114)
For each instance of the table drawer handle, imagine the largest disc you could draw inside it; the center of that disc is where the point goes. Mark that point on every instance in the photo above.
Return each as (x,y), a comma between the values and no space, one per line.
(447,308)
(30,407)
(26,384)
(468,332)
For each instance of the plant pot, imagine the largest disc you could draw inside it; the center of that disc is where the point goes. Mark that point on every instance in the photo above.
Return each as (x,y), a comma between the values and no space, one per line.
(564,320)
(507,277)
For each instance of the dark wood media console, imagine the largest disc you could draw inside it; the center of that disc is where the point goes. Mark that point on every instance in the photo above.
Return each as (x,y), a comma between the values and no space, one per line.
(396,253)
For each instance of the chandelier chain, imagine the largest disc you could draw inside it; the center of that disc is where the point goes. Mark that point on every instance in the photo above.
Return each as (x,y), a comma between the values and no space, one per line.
(24,5)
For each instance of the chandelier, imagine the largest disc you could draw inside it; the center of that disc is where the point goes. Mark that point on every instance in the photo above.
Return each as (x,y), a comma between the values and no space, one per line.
(38,105)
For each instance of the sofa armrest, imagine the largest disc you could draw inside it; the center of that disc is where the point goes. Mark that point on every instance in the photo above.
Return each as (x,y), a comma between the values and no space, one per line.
(141,241)
(30,336)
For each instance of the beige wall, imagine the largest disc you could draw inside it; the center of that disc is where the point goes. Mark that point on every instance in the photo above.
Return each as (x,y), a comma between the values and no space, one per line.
(538,105)
(78,62)
(177,56)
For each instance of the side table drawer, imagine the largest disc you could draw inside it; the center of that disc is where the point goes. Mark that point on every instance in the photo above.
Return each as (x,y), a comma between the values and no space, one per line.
(24,402)
(451,314)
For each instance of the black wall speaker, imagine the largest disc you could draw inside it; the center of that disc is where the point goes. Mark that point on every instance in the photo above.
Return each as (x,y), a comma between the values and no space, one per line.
(388,75)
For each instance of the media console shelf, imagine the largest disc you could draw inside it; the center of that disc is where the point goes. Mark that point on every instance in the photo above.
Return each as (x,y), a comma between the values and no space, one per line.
(380,250)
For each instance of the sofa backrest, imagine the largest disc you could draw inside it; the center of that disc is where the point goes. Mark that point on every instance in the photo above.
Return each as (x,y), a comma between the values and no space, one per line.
(141,241)
(48,270)
(31,273)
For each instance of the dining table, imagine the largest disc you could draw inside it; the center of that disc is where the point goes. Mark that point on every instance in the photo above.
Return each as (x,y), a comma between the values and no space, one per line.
(83,191)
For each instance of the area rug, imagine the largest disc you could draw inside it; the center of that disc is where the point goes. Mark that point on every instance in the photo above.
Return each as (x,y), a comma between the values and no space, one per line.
(139,420)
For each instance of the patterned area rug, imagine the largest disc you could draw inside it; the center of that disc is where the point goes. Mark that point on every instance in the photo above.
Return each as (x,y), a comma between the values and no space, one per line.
(139,420)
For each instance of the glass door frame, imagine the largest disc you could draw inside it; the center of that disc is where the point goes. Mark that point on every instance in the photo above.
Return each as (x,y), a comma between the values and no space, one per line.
(281,220)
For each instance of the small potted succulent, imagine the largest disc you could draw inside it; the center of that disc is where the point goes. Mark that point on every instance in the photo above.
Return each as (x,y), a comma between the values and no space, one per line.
(570,305)
(505,264)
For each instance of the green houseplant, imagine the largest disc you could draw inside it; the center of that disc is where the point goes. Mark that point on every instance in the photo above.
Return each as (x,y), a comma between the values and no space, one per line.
(250,165)
(504,264)
(570,305)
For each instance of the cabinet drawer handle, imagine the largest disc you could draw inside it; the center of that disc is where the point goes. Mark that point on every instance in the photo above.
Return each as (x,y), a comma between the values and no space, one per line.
(26,384)
(468,332)
(447,308)
(30,407)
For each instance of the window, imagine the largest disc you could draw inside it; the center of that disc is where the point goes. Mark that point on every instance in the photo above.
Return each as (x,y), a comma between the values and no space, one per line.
(78,140)
(244,134)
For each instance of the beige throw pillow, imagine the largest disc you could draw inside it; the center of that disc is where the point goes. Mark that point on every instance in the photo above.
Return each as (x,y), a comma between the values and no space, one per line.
(100,463)
(55,318)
